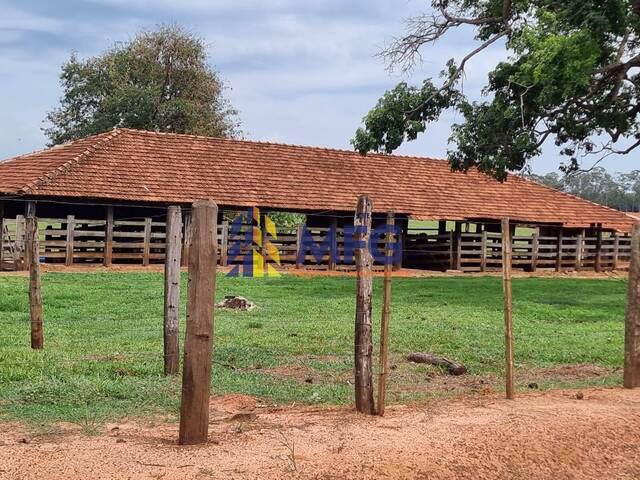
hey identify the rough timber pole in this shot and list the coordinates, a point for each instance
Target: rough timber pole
(198, 345)
(632, 319)
(508, 308)
(386, 314)
(35, 292)
(172, 291)
(364, 287)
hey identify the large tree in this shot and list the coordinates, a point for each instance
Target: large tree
(160, 80)
(571, 76)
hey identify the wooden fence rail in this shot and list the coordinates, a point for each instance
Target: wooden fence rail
(78, 241)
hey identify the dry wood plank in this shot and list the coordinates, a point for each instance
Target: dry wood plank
(631, 377)
(559, 250)
(19, 245)
(616, 250)
(172, 291)
(299, 257)
(483, 252)
(198, 346)
(334, 243)
(186, 242)
(579, 251)
(71, 225)
(108, 238)
(598, 260)
(508, 306)
(35, 286)
(224, 245)
(386, 315)
(363, 324)
(535, 248)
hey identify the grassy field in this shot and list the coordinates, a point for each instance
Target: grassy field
(103, 339)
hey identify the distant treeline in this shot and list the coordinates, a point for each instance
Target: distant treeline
(618, 190)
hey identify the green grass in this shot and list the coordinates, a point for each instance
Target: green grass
(103, 339)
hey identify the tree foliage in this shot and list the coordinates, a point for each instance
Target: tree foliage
(572, 75)
(619, 190)
(159, 81)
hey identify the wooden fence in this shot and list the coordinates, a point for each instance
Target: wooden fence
(78, 241)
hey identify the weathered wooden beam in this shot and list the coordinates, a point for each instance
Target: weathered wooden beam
(386, 315)
(363, 324)
(198, 345)
(333, 231)
(186, 242)
(631, 376)
(483, 253)
(616, 250)
(146, 249)
(71, 226)
(108, 238)
(172, 291)
(224, 244)
(19, 260)
(299, 247)
(457, 263)
(535, 248)
(507, 254)
(559, 250)
(1, 236)
(579, 250)
(35, 287)
(598, 260)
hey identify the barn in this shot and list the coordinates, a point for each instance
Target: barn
(103, 200)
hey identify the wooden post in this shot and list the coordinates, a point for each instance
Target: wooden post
(35, 292)
(559, 251)
(19, 261)
(631, 378)
(458, 244)
(386, 315)
(598, 261)
(616, 250)
(452, 251)
(108, 239)
(400, 240)
(508, 307)
(146, 249)
(333, 231)
(483, 253)
(71, 226)
(198, 345)
(186, 242)
(1, 236)
(579, 250)
(299, 261)
(535, 248)
(224, 244)
(364, 290)
(172, 291)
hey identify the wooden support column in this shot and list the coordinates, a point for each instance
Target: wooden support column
(108, 238)
(198, 345)
(19, 260)
(146, 249)
(333, 231)
(598, 260)
(442, 227)
(559, 250)
(483, 253)
(186, 241)
(508, 306)
(535, 248)
(35, 292)
(457, 262)
(224, 244)
(386, 315)
(299, 260)
(631, 377)
(364, 289)
(172, 291)
(1, 236)
(579, 250)
(616, 250)
(71, 227)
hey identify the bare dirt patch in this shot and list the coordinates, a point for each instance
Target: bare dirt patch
(537, 436)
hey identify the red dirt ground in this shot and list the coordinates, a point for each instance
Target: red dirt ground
(551, 435)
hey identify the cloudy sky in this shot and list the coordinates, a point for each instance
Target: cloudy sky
(301, 72)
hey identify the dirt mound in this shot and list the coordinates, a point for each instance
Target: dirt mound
(537, 436)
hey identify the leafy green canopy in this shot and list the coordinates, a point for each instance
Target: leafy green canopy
(571, 75)
(158, 81)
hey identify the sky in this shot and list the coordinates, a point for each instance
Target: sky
(299, 72)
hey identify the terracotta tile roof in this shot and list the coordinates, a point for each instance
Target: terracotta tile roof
(170, 168)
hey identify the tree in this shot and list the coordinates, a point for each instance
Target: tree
(160, 81)
(571, 75)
